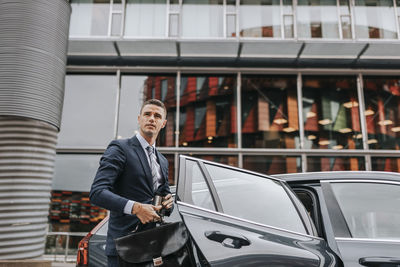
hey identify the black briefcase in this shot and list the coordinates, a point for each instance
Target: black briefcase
(166, 245)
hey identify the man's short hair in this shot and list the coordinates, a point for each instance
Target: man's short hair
(154, 102)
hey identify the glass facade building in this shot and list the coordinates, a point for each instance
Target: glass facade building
(274, 86)
(280, 19)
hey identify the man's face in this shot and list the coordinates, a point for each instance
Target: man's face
(151, 120)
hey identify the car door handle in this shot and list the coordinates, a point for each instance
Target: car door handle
(377, 261)
(228, 240)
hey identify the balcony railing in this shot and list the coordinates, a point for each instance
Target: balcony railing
(62, 246)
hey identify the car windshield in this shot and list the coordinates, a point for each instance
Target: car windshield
(371, 210)
(255, 198)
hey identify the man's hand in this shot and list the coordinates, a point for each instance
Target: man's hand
(146, 212)
(168, 201)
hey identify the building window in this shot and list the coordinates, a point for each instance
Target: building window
(171, 168)
(202, 18)
(259, 18)
(317, 19)
(135, 89)
(146, 18)
(74, 211)
(174, 15)
(272, 164)
(269, 112)
(89, 111)
(116, 18)
(331, 113)
(231, 18)
(89, 17)
(375, 19)
(398, 12)
(345, 19)
(382, 112)
(315, 164)
(386, 164)
(70, 204)
(208, 111)
(164, 89)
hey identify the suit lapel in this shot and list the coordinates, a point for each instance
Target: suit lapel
(143, 160)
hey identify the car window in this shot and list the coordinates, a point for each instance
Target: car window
(103, 229)
(201, 195)
(371, 210)
(255, 198)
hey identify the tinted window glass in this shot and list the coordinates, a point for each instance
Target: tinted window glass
(202, 18)
(371, 210)
(200, 194)
(145, 18)
(88, 119)
(208, 111)
(75, 172)
(255, 198)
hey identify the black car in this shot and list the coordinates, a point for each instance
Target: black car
(237, 217)
(358, 213)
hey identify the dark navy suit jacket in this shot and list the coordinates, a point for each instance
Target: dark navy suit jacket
(124, 174)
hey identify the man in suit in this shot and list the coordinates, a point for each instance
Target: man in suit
(130, 174)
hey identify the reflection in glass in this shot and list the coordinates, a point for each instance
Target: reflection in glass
(345, 19)
(135, 89)
(89, 17)
(116, 24)
(231, 18)
(398, 12)
(75, 172)
(386, 164)
(373, 213)
(145, 18)
(244, 195)
(173, 25)
(231, 25)
(71, 211)
(382, 104)
(117, 5)
(201, 195)
(269, 112)
(272, 164)
(208, 111)
(288, 24)
(315, 164)
(88, 121)
(346, 27)
(331, 113)
(171, 168)
(202, 18)
(375, 19)
(174, 6)
(317, 19)
(260, 18)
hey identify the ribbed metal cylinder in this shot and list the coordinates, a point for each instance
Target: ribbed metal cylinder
(33, 47)
(27, 154)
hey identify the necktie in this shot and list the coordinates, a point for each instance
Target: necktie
(154, 166)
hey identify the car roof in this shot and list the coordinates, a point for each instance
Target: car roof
(339, 175)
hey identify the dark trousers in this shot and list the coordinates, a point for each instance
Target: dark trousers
(112, 261)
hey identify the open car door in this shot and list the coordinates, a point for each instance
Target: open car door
(240, 218)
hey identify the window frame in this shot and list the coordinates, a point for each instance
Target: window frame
(184, 189)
